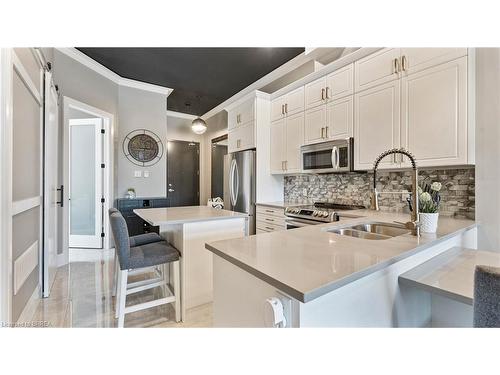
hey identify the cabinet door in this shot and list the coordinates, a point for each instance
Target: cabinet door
(278, 146)
(315, 124)
(294, 101)
(339, 117)
(278, 108)
(417, 59)
(247, 111)
(294, 139)
(241, 138)
(315, 93)
(340, 83)
(434, 114)
(376, 69)
(232, 119)
(376, 125)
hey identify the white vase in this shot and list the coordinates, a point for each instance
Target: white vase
(429, 222)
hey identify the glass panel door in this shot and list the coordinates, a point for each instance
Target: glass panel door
(85, 180)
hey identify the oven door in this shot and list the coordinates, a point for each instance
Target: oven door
(293, 223)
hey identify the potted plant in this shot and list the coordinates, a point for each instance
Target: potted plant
(130, 193)
(429, 200)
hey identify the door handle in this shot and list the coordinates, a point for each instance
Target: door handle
(335, 163)
(171, 190)
(61, 202)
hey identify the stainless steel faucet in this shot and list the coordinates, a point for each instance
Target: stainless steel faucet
(414, 223)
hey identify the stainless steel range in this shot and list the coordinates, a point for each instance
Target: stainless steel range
(319, 213)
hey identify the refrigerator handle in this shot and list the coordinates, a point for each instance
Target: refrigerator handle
(237, 183)
(231, 182)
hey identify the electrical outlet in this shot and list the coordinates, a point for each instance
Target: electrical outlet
(146, 174)
(137, 174)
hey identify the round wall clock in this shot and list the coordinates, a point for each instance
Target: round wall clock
(143, 147)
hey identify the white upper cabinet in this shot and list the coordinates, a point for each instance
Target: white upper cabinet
(340, 83)
(287, 135)
(288, 104)
(294, 101)
(242, 114)
(416, 59)
(315, 125)
(294, 139)
(376, 125)
(241, 138)
(339, 118)
(381, 67)
(278, 108)
(278, 146)
(315, 93)
(434, 114)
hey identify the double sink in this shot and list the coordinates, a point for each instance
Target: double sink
(372, 231)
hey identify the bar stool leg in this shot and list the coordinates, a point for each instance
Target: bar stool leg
(122, 297)
(115, 275)
(177, 290)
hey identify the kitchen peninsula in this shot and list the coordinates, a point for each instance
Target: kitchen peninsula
(188, 229)
(325, 279)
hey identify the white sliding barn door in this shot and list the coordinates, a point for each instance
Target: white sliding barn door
(85, 183)
(51, 194)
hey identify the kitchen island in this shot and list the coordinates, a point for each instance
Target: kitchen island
(188, 229)
(324, 279)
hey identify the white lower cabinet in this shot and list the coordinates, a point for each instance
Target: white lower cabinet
(287, 135)
(376, 125)
(269, 219)
(434, 114)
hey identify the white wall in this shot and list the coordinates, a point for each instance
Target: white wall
(488, 147)
(139, 109)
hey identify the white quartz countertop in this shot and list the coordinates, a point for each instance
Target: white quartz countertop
(188, 214)
(309, 262)
(450, 274)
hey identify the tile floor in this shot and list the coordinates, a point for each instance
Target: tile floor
(81, 297)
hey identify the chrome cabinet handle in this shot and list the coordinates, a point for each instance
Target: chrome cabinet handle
(326, 132)
(269, 219)
(395, 63)
(171, 190)
(322, 94)
(282, 109)
(322, 131)
(403, 63)
(286, 165)
(61, 202)
(286, 108)
(327, 92)
(269, 228)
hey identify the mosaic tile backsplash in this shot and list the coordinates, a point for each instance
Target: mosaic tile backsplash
(457, 192)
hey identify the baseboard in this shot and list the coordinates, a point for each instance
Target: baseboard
(30, 307)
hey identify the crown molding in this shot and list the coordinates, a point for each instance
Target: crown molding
(112, 76)
(186, 116)
(252, 94)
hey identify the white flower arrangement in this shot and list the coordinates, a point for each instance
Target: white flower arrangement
(429, 197)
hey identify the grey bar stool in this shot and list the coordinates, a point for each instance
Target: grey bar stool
(140, 239)
(140, 257)
(486, 297)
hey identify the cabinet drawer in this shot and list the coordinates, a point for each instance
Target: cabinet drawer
(268, 210)
(271, 220)
(269, 227)
(376, 69)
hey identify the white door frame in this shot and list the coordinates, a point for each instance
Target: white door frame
(87, 241)
(108, 126)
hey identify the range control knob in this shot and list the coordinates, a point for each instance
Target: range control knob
(325, 214)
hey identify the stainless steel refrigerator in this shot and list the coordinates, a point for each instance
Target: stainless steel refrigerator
(239, 184)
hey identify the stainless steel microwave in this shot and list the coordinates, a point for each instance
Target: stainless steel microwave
(328, 157)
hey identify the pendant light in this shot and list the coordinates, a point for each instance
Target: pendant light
(198, 126)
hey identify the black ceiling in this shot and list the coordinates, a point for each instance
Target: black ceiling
(202, 77)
